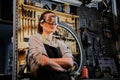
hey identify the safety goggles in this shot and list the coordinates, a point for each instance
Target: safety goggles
(52, 19)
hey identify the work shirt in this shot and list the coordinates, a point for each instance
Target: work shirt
(36, 49)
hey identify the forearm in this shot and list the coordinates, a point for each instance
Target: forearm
(48, 62)
(55, 66)
(65, 62)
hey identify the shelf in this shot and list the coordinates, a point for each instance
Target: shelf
(34, 8)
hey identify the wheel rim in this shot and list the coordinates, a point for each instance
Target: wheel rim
(78, 40)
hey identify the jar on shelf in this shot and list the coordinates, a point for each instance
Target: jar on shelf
(66, 8)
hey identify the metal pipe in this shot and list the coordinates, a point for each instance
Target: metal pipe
(114, 7)
(15, 22)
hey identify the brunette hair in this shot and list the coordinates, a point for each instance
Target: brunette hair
(41, 20)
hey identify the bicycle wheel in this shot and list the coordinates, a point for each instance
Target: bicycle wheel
(78, 57)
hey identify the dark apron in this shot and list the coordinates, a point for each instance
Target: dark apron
(44, 73)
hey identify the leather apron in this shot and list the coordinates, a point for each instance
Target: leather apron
(44, 73)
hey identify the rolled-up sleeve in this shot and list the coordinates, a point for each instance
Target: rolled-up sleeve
(66, 52)
(36, 49)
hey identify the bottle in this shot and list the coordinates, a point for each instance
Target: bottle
(66, 8)
(84, 72)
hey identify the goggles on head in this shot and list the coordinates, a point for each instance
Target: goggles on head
(52, 19)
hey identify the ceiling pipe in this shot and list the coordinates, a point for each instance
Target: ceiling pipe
(71, 2)
(114, 7)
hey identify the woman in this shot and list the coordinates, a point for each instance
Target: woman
(49, 58)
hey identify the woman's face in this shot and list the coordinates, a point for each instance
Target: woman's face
(49, 25)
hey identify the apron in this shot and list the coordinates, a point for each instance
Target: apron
(44, 73)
